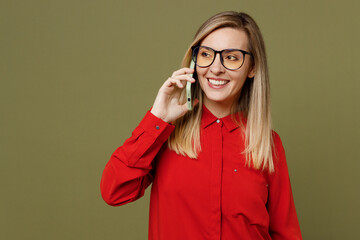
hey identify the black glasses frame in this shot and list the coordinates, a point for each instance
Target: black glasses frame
(196, 48)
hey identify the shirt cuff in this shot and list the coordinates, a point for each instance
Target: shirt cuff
(156, 126)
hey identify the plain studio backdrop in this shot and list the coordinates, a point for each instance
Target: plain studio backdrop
(76, 77)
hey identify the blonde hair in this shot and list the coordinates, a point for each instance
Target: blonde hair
(253, 103)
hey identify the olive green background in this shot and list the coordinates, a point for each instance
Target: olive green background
(76, 77)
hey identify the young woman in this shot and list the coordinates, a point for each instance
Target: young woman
(218, 171)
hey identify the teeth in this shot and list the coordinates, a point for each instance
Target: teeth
(216, 82)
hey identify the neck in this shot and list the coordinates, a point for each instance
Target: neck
(218, 109)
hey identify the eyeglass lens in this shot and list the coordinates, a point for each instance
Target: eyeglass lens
(231, 59)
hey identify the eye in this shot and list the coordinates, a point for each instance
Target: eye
(232, 55)
(232, 58)
(205, 54)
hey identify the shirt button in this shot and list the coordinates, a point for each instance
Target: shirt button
(235, 170)
(218, 121)
(157, 127)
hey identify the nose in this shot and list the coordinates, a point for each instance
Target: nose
(217, 67)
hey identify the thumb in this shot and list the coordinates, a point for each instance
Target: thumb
(185, 108)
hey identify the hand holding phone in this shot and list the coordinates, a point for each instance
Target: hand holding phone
(164, 107)
(188, 88)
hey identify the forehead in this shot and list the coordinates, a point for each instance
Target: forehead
(224, 38)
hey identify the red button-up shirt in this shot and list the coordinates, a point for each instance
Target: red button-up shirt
(212, 197)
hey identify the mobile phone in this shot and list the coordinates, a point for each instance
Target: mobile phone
(188, 88)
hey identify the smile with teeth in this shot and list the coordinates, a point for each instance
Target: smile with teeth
(218, 82)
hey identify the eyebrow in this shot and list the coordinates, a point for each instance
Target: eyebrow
(225, 49)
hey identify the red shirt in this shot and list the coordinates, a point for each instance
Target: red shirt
(212, 197)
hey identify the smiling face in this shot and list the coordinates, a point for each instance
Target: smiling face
(221, 86)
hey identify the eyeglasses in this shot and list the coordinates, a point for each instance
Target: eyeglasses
(231, 59)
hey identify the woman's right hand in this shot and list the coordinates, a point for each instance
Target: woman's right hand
(167, 105)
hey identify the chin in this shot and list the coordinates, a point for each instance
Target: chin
(217, 99)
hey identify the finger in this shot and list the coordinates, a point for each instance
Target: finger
(183, 71)
(176, 82)
(185, 78)
(184, 107)
(170, 82)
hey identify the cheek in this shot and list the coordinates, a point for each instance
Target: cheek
(201, 71)
(201, 75)
(240, 80)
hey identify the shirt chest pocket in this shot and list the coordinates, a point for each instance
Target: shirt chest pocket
(249, 194)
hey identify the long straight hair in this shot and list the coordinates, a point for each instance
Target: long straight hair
(253, 103)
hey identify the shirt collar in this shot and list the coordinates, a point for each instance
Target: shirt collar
(208, 118)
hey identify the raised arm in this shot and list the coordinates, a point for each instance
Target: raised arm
(130, 169)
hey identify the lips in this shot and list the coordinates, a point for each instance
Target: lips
(217, 82)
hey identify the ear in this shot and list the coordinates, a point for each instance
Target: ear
(251, 72)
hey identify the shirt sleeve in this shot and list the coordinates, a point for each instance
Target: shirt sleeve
(283, 218)
(129, 171)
